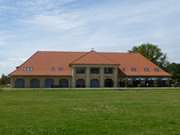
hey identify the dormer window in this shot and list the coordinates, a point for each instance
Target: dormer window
(133, 69)
(60, 69)
(28, 69)
(146, 69)
(53, 68)
(156, 69)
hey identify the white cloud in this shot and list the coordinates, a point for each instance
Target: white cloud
(106, 26)
(64, 21)
(16, 59)
(5, 37)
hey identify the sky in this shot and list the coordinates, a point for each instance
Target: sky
(27, 26)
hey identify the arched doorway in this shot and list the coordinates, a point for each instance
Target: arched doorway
(108, 83)
(35, 83)
(63, 83)
(19, 83)
(49, 83)
(94, 83)
(80, 83)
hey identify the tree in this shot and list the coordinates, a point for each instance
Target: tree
(153, 53)
(174, 69)
(4, 80)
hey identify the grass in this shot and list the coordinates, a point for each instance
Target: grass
(4, 86)
(90, 112)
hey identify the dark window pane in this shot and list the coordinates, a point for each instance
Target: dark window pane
(146, 69)
(94, 70)
(157, 69)
(133, 69)
(108, 70)
(80, 70)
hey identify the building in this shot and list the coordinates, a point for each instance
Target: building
(47, 69)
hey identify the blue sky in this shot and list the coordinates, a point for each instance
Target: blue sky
(79, 25)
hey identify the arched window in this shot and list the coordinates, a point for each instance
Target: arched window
(19, 83)
(35, 83)
(63, 83)
(94, 83)
(80, 83)
(49, 83)
(108, 83)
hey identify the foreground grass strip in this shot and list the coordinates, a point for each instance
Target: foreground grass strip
(90, 112)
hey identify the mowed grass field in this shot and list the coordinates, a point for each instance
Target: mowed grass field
(90, 112)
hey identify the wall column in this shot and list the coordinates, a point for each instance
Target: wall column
(87, 77)
(101, 77)
(42, 82)
(13, 82)
(27, 82)
(115, 77)
(73, 83)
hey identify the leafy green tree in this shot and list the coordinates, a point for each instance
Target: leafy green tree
(4, 80)
(153, 53)
(174, 69)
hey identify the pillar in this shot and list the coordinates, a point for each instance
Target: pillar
(87, 77)
(115, 77)
(101, 77)
(73, 83)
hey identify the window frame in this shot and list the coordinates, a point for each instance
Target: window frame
(133, 69)
(95, 68)
(106, 70)
(146, 69)
(77, 69)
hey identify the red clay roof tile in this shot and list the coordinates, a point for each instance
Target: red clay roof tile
(44, 63)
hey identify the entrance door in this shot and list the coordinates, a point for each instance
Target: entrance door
(94, 83)
(80, 83)
(63, 83)
(35, 83)
(108, 83)
(49, 83)
(19, 83)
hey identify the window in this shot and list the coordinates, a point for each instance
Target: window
(146, 69)
(19, 83)
(80, 83)
(35, 83)
(133, 69)
(157, 69)
(60, 68)
(80, 70)
(64, 83)
(49, 83)
(27, 69)
(94, 83)
(108, 70)
(95, 70)
(53, 69)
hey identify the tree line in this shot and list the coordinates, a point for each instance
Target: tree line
(148, 50)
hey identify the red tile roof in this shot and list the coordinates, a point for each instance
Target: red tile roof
(93, 58)
(44, 63)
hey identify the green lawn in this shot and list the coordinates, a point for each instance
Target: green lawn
(90, 112)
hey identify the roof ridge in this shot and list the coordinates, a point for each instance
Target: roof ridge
(83, 55)
(63, 51)
(97, 53)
